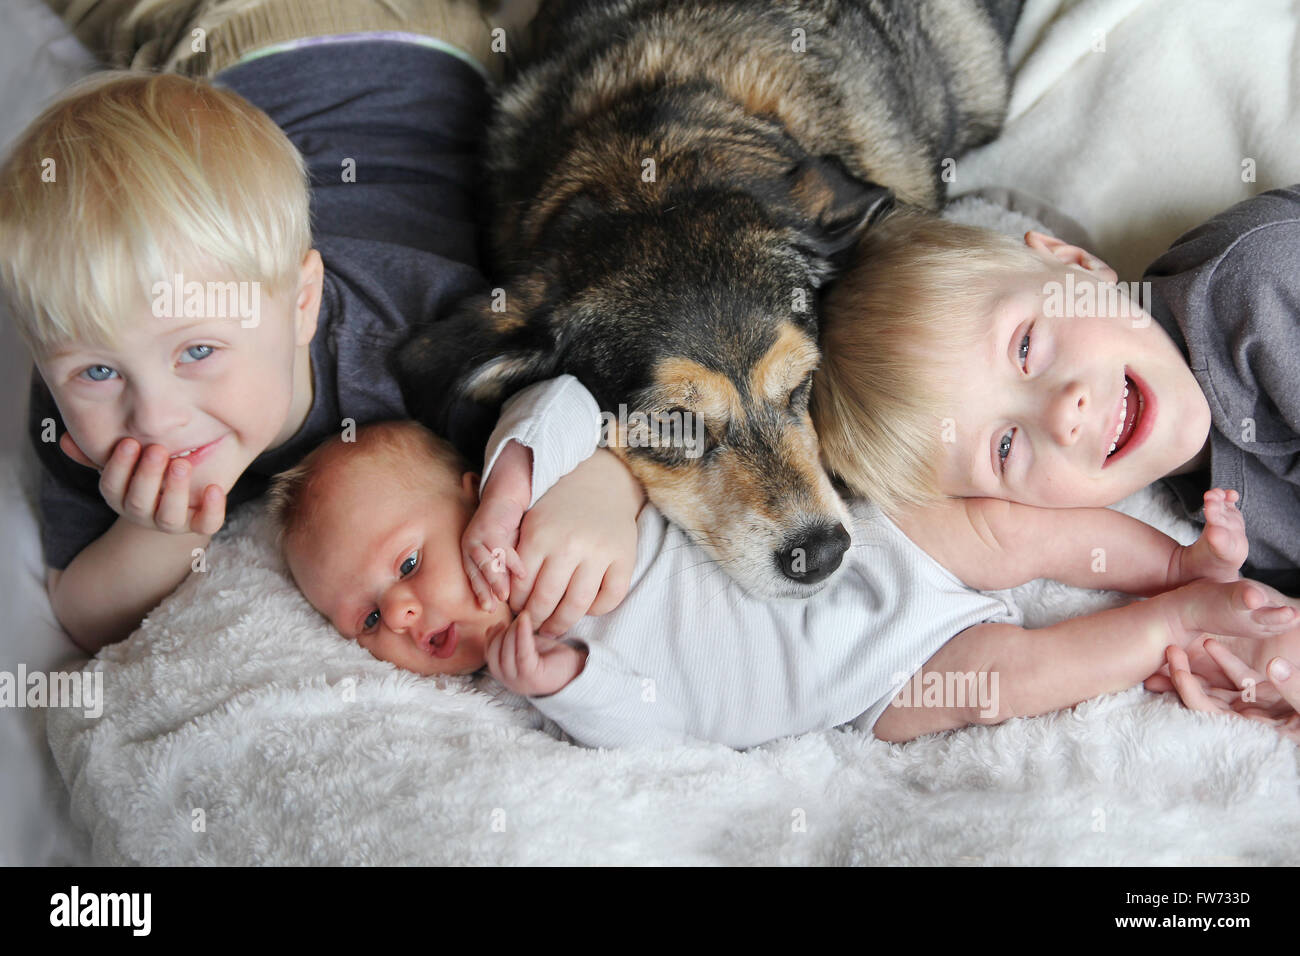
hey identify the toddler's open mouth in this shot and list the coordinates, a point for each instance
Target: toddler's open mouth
(199, 452)
(1135, 413)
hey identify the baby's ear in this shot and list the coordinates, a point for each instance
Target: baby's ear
(1069, 255)
(469, 484)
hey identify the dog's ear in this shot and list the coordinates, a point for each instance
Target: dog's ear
(575, 215)
(835, 206)
(455, 372)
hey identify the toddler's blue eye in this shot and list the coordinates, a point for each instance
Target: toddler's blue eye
(1004, 448)
(409, 564)
(198, 352)
(371, 619)
(99, 373)
(1023, 351)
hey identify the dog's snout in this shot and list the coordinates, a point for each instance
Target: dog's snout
(813, 554)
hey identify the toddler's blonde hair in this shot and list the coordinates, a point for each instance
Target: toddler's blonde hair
(130, 178)
(897, 330)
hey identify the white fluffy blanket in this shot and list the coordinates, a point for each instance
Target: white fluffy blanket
(238, 729)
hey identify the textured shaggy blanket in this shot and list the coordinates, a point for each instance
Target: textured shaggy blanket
(238, 728)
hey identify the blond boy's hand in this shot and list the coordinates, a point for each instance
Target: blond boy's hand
(1222, 548)
(1275, 702)
(1241, 609)
(488, 545)
(149, 490)
(532, 665)
(1252, 618)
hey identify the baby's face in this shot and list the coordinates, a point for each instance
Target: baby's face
(1037, 414)
(381, 560)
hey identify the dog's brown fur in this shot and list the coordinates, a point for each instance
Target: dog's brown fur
(673, 183)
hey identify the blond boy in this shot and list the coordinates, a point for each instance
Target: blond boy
(210, 276)
(968, 374)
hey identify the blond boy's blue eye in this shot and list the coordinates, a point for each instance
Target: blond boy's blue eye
(99, 373)
(197, 353)
(371, 619)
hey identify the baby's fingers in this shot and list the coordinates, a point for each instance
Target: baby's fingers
(525, 647)
(506, 656)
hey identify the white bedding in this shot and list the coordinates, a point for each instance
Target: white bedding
(234, 699)
(37, 58)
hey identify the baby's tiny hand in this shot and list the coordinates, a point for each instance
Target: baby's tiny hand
(1222, 548)
(530, 664)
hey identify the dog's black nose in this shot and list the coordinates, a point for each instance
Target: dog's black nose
(814, 554)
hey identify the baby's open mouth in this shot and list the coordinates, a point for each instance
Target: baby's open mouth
(442, 643)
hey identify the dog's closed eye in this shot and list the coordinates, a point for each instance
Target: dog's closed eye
(799, 395)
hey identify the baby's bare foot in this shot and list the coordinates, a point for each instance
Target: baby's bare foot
(1221, 550)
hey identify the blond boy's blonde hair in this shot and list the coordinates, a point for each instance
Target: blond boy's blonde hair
(418, 459)
(896, 328)
(130, 178)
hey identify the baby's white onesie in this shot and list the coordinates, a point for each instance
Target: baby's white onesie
(689, 654)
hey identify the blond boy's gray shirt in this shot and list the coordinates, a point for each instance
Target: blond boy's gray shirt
(689, 656)
(1228, 293)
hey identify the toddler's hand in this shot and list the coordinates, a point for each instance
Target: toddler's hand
(578, 545)
(1244, 609)
(1222, 548)
(487, 546)
(147, 489)
(530, 664)
(489, 556)
(1253, 696)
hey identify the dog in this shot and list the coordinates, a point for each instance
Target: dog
(672, 183)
